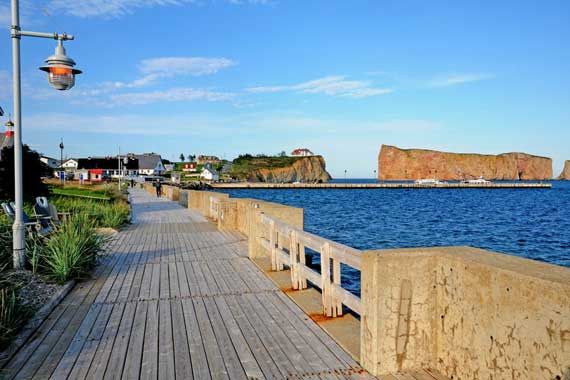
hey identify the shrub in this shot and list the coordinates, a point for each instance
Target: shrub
(11, 316)
(72, 250)
(34, 168)
(103, 213)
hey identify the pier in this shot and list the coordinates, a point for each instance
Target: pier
(384, 185)
(204, 286)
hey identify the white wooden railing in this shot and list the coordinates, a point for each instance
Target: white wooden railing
(214, 207)
(286, 245)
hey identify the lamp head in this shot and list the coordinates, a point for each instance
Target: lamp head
(61, 74)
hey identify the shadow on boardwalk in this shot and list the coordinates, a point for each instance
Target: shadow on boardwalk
(174, 298)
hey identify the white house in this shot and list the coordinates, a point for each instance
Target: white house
(70, 164)
(150, 164)
(209, 174)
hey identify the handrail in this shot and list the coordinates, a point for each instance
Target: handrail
(214, 207)
(293, 255)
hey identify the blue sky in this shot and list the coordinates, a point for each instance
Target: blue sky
(226, 77)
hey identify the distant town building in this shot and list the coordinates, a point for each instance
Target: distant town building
(169, 167)
(209, 174)
(70, 164)
(201, 160)
(302, 152)
(189, 167)
(149, 164)
(97, 169)
(51, 162)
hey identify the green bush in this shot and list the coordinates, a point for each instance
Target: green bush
(71, 251)
(12, 316)
(103, 213)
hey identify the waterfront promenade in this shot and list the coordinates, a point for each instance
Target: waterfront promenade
(175, 298)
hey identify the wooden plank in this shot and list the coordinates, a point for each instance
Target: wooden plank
(119, 351)
(101, 358)
(165, 340)
(89, 349)
(133, 360)
(198, 358)
(215, 361)
(65, 365)
(182, 361)
(231, 360)
(149, 365)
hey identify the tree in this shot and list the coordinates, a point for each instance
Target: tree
(181, 157)
(33, 170)
(283, 154)
(191, 157)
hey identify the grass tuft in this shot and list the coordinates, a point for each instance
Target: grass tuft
(72, 251)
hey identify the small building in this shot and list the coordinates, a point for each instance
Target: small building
(51, 162)
(101, 168)
(149, 164)
(302, 152)
(169, 167)
(210, 174)
(201, 160)
(189, 167)
(70, 164)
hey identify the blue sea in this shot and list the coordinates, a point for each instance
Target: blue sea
(531, 223)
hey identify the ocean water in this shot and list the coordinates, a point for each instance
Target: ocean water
(531, 223)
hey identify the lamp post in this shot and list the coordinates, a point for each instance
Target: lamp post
(61, 75)
(375, 178)
(345, 175)
(61, 172)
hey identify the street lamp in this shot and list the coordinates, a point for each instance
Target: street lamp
(61, 75)
(61, 146)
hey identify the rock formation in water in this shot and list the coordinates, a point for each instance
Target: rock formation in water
(412, 164)
(281, 169)
(565, 175)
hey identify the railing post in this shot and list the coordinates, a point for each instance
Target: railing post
(337, 303)
(273, 253)
(326, 280)
(279, 244)
(302, 278)
(294, 260)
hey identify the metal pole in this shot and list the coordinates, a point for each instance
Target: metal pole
(19, 230)
(119, 158)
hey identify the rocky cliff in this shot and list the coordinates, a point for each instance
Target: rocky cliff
(280, 169)
(411, 164)
(306, 169)
(566, 171)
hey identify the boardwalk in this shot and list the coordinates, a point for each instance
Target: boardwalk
(174, 298)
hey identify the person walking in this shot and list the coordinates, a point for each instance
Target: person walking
(158, 187)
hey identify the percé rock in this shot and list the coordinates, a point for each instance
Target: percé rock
(412, 164)
(565, 175)
(306, 169)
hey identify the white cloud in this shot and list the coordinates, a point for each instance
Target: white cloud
(154, 69)
(331, 85)
(170, 95)
(456, 79)
(119, 8)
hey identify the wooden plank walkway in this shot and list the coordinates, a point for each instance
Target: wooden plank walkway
(174, 298)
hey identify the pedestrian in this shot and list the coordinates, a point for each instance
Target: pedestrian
(158, 186)
(132, 183)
